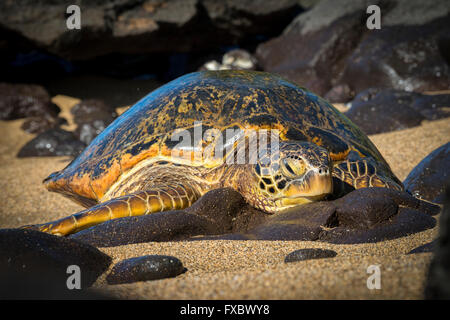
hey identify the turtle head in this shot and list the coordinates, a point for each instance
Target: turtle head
(298, 173)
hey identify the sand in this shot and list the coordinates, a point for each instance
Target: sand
(238, 269)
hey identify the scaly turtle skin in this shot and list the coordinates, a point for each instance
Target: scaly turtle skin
(131, 168)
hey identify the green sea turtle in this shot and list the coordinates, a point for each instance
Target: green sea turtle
(130, 168)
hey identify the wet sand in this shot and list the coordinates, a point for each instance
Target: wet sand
(238, 269)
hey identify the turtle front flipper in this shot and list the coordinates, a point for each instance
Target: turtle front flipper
(141, 203)
(359, 173)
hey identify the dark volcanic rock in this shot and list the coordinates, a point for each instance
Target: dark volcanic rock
(438, 278)
(409, 52)
(303, 223)
(228, 210)
(404, 223)
(432, 107)
(129, 26)
(38, 262)
(38, 125)
(92, 117)
(378, 214)
(377, 110)
(383, 110)
(312, 48)
(428, 247)
(430, 177)
(364, 215)
(152, 267)
(307, 254)
(25, 100)
(218, 211)
(339, 93)
(330, 45)
(161, 226)
(53, 142)
(86, 109)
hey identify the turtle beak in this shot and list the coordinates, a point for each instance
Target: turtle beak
(313, 186)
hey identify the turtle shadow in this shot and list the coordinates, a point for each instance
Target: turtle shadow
(362, 216)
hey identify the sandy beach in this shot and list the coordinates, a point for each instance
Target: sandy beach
(238, 269)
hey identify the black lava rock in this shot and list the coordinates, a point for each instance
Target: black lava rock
(124, 26)
(340, 93)
(408, 53)
(160, 226)
(34, 264)
(302, 223)
(228, 211)
(307, 254)
(321, 39)
(364, 215)
(432, 106)
(382, 110)
(438, 278)
(378, 214)
(151, 267)
(331, 45)
(405, 222)
(53, 142)
(217, 212)
(92, 117)
(429, 178)
(377, 110)
(23, 101)
(37, 125)
(428, 247)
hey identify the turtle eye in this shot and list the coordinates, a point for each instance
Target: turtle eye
(293, 168)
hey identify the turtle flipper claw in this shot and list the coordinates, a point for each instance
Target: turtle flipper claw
(46, 227)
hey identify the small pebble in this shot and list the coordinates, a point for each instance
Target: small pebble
(307, 254)
(150, 267)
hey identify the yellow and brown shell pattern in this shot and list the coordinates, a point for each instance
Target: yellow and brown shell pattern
(219, 100)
